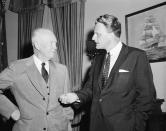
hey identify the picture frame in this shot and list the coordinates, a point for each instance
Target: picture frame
(146, 30)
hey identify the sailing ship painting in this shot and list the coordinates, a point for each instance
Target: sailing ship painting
(152, 39)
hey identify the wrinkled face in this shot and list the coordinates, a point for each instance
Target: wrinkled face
(101, 36)
(47, 46)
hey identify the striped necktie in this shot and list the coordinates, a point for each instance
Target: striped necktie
(106, 70)
(44, 72)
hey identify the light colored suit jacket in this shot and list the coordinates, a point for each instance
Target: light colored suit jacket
(40, 109)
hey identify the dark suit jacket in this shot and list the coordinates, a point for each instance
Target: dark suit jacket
(125, 102)
(39, 110)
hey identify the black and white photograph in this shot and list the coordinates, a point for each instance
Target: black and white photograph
(82, 65)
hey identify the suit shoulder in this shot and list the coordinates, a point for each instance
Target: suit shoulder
(137, 54)
(136, 51)
(19, 64)
(59, 65)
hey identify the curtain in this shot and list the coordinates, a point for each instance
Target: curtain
(24, 5)
(68, 26)
(30, 16)
(3, 42)
(27, 22)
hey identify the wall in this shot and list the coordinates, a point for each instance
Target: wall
(120, 8)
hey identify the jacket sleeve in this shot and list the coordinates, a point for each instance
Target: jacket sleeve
(6, 81)
(85, 94)
(145, 90)
(68, 111)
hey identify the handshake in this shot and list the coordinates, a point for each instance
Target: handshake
(69, 98)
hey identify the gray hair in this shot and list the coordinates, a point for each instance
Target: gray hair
(39, 32)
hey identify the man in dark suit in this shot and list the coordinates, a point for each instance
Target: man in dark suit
(120, 82)
(36, 83)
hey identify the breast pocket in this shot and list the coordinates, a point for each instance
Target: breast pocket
(121, 81)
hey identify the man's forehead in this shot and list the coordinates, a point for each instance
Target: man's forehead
(99, 27)
(47, 35)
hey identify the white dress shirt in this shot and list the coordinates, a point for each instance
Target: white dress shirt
(38, 64)
(114, 53)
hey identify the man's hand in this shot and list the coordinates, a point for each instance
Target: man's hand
(15, 115)
(68, 98)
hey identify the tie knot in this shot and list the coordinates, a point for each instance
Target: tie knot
(43, 64)
(108, 54)
(107, 58)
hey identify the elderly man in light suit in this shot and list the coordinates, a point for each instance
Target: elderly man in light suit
(37, 99)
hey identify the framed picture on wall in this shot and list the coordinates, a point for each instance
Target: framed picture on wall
(146, 29)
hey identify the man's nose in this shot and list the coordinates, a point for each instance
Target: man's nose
(54, 46)
(93, 37)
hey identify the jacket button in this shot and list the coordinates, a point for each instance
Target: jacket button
(48, 93)
(100, 100)
(47, 113)
(44, 99)
(44, 129)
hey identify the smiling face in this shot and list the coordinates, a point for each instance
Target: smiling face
(101, 36)
(45, 44)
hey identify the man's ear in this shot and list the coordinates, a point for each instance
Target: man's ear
(36, 45)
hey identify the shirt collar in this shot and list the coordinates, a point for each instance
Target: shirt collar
(38, 63)
(116, 49)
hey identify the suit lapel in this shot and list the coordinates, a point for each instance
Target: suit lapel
(36, 78)
(121, 58)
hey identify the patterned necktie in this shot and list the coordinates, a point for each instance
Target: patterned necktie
(44, 72)
(106, 70)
